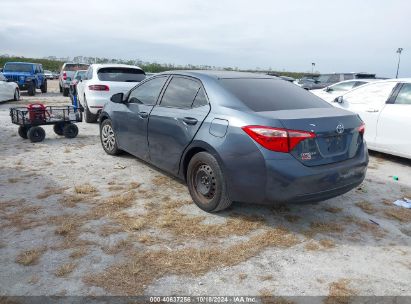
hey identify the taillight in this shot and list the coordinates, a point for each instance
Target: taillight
(64, 76)
(277, 139)
(361, 129)
(98, 87)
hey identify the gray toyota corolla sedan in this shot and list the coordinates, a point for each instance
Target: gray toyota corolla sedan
(238, 137)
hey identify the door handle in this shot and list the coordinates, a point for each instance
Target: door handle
(371, 110)
(190, 120)
(143, 114)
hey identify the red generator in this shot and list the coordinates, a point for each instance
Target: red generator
(37, 113)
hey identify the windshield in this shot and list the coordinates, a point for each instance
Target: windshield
(18, 67)
(324, 78)
(121, 74)
(271, 95)
(47, 72)
(80, 74)
(75, 67)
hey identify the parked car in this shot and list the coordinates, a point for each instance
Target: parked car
(238, 137)
(326, 80)
(48, 74)
(101, 82)
(78, 76)
(66, 75)
(385, 107)
(28, 76)
(8, 90)
(329, 93)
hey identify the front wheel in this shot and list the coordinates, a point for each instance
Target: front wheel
(108, 138)
(36, 134)
(206, 183)
(31, 90)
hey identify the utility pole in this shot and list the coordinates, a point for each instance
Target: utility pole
(399, 51)
(312, 67)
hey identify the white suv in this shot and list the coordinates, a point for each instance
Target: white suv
(103, 81)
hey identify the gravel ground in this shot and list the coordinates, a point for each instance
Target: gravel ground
(76, 221)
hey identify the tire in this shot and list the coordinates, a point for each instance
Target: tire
(70, 130)
(31, 90)
(23, 132)
(44, 87)
(108, 138)
(58, 129)
(88, 116)
(16, 95)
(206, 183)
(36, 134)
(61, 89)
(65, 92)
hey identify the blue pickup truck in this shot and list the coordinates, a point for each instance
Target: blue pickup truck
(28, 76)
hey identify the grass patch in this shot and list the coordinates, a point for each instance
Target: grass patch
(24, 218)
(65, 270)
(13, 180)
(340, 292)
(144, 267)
(78, 253)
(67, 227)
(398, 213)
(366, 206)
(118, 247)
(49, 191)
(267, 277)
(85, 189)
(292, 218)
(30, 257)
(333, 209)
(327, 243)
(323, 228)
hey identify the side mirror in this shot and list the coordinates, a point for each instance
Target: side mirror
(328, 89)
(339, 99)
(117, 98)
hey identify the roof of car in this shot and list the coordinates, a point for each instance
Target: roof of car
(114, 65)
(218, 74)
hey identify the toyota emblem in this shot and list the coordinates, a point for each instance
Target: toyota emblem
(340, 129)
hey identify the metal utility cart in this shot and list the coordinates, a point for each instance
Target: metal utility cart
(33, 116)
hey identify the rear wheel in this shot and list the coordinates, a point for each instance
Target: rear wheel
(70, 130)
(58, 129)
(108, 138)
(23, 132)
(88, 116)
(36, 134)
(31, 90)
(206, 183)
(16, 95)
(44, 87)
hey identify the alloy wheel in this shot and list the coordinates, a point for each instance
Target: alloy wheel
(108, 138)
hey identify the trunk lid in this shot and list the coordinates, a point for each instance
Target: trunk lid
(337, 136)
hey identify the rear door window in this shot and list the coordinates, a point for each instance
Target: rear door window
(147, 93)
(271, 94)
(181, 93)
(404, 95)
(119, 74)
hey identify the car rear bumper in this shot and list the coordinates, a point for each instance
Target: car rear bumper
(285, 179)
(96, 103)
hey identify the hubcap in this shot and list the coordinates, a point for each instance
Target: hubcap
(204, 181)
(107, 137)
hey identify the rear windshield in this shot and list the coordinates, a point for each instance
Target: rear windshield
(272, 94)
(121, 74)
(18, 67)
(75, 67)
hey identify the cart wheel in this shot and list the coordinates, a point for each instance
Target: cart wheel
(58, 129)
(23, 132)
(36, 134)
(70, 130)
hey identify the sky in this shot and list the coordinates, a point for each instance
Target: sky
(338, 36)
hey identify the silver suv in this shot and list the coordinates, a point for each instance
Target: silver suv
(66, 75)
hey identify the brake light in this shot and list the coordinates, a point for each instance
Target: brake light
(361, 129)
(98, 87)
(277, 139)
(64, 76)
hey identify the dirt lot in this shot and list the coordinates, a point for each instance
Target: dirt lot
(76, 221)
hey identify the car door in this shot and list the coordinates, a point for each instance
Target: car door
(368, 101)
(130, 119)
(395, 121)
(175, 121)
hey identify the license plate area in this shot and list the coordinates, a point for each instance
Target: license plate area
(334, 144)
